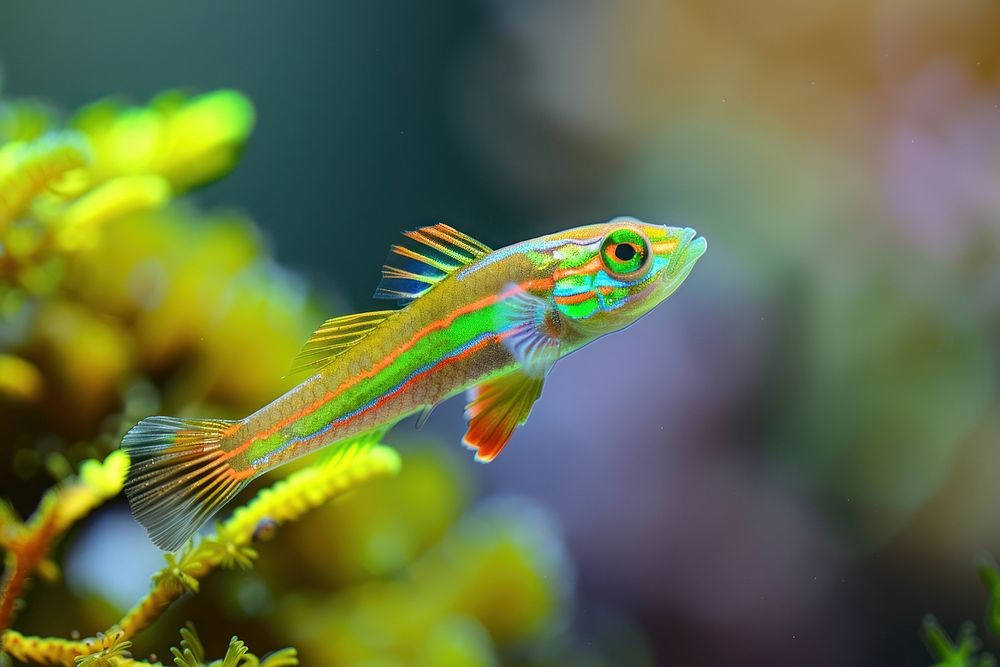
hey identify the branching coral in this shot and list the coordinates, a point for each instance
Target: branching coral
(28, 543)
(228, 546)
(108, 279)
(28, 169)
(191, 653)
(964, 651)
(118, 301)
(60, 187)
(74, 334)
(499, 580)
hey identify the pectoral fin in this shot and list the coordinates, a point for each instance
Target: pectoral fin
(496, 408)
(535, 326)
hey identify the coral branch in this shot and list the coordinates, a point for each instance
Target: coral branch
(192, 653)
(228, 546)
(27, 552)
(27, 169)
(28, 544)
(112, 650)
(966, 649)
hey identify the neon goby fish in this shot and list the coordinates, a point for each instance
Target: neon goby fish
(491, 323)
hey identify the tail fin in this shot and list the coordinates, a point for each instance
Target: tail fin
(179, 476)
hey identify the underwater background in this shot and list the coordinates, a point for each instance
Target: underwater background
(802, 466)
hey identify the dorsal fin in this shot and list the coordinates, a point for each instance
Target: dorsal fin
(335, 337)
(429, 254)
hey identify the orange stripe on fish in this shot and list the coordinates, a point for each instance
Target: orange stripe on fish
(350, 382)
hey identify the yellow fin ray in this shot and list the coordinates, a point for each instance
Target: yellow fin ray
(431, 254)
(334, 337)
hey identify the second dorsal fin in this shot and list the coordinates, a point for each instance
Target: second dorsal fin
(334, 337)
(429, 255)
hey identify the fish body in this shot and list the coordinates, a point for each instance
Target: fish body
(492, 323)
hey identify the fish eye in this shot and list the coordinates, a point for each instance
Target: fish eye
(625, 253)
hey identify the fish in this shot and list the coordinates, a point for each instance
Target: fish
(491, 323)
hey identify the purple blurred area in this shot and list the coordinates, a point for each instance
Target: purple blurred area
(792, 460)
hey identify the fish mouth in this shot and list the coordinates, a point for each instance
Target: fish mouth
(690, 248)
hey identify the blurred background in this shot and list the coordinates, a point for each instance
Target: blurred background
(810, 460)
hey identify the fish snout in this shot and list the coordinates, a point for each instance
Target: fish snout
(690, 248)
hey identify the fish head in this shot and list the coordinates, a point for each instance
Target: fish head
(606, 276)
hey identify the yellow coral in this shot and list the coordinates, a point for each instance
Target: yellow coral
(113, 648)
(115, 199)
(29, 543)
(19, 379)
(286, 501)
(122, 299)
(105, 479)
(118, 161)
(501, 579)
(75, 498)
(186, 140)
(28, 168)
(109, 278)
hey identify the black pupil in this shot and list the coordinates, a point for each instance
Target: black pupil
(624, 252)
